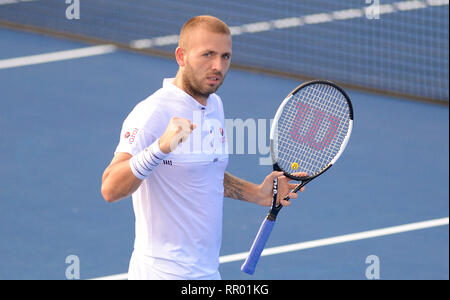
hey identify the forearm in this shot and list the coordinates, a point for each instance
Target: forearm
(237, 188)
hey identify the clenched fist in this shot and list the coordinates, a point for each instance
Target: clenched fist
(177, 131)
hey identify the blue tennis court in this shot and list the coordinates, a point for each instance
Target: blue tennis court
(60, 123)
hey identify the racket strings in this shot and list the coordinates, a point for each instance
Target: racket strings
(311, 129)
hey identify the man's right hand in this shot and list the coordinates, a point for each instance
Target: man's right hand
(177, 131)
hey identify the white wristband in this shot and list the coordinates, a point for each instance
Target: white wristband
(142, 164)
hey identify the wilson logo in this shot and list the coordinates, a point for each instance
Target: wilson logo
(319, 119)
(167, 162)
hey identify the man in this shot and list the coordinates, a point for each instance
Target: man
(172, 157)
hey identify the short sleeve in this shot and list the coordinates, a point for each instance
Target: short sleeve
(140, 129)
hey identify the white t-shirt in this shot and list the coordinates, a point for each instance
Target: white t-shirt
(178, 208)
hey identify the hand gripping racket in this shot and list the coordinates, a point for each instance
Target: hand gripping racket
(309, 133)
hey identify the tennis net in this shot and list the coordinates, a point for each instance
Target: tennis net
(397, 47)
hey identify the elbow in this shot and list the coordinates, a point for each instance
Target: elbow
(112, 194)
(108, 194)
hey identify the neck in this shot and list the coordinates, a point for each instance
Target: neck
(179, 82)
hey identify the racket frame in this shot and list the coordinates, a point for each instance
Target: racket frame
(304, 179)
(266, 227)
(273, 129)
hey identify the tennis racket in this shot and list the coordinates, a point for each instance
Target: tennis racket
(309, 133)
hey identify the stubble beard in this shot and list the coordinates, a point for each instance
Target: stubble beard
(193, 85)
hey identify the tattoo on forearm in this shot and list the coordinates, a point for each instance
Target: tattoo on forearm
(233, 187)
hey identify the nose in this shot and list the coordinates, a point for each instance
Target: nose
(219, 64)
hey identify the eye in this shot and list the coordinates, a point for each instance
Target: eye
(208, 54)
(226, 56)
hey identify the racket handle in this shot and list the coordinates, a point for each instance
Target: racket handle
(258, 245)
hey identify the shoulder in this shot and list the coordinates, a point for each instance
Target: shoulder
(217, 102)
(217, 99)
(153, 107)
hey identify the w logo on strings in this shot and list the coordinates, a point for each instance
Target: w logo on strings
(316, 119)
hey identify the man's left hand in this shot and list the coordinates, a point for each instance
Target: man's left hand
(284, 189)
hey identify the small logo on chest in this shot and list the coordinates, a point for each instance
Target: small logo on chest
(167, 162)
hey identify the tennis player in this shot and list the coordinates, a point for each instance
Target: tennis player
(172, 157)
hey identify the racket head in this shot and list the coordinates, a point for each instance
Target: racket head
(311, 129)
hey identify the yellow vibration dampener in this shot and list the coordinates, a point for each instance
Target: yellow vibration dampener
(294, 166)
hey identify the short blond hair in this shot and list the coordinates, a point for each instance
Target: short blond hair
(209, 23)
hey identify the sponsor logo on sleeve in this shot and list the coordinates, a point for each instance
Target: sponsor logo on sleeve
(131, 136)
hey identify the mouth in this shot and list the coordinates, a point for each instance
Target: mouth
(213, 79)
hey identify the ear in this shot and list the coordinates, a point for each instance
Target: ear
(180, 55)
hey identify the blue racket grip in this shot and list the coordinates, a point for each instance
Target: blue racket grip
(258, 246)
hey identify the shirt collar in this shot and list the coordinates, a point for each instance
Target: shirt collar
(168, 84)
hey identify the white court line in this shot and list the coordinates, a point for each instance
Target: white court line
(321, 242)
(6, 2)
(56, 56)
